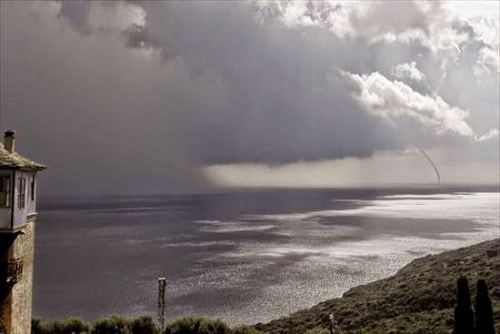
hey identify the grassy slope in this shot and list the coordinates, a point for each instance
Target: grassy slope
(419, 298)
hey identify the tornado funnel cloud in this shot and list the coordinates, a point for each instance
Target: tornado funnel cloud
(432, 164)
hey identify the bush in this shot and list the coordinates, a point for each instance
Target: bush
(112, 325)
(70, 326)
(144, 325)
(36, 326)
(317, 330)
(41, 327)
(141, 325)
(197, 325)
(245, 330)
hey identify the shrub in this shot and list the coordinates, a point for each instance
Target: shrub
(70, 326)
(112, 325)
(484, 311)
(197, 325)
(41, 327)
(144, 325)
(317, 330)
(245, 330)
(464, 318)
(36, 326)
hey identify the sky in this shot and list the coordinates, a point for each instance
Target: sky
(130, 97)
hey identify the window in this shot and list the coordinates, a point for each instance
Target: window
(32, 188)
(21, 194)
(4, 191)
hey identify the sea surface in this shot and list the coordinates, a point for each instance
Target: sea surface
(242, 256)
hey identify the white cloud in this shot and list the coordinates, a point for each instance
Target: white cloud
(487, 32)
(488, 61)
(334, 15)
(383, 167)
(407, 71)
(483, 17)
(393, 100)
(471, 9)
(493, 133)
(442, 27)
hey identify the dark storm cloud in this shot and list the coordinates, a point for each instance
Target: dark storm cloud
(138, 104)
(138, 36)
(77, 13)
(280, 97)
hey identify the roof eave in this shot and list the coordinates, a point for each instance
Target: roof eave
(33, 169)
(37, 168)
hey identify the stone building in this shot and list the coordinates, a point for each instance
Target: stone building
(18, 185)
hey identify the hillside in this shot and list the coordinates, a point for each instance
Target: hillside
(419, 298)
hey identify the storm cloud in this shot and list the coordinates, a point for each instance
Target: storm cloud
(134, 97)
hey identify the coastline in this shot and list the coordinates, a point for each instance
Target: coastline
(419, 298)
(271, 255)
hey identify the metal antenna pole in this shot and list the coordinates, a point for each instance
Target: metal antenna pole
(162, 283)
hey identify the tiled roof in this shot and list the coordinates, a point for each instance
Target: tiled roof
(16, 161)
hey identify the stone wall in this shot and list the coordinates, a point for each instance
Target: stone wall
(16, 306)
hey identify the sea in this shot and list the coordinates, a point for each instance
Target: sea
(244, 256)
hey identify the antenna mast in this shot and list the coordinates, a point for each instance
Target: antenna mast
(162, 283)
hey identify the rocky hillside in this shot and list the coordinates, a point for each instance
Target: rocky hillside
(419, 298)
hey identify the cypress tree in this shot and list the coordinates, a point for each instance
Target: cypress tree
(483, 310)
(464, 317)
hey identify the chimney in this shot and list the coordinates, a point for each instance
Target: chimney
(10, 141)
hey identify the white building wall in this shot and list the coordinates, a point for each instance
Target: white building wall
(20, 214)
(5, 213)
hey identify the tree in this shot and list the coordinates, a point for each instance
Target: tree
(483, 309)
(464, 317)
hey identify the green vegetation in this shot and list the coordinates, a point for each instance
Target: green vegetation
(420, 298)
(197, 325)
(142, 325)
(66, 326)
(113, 325)
(245, 330)
(484, 311)
(464, 316)
(317, 330)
